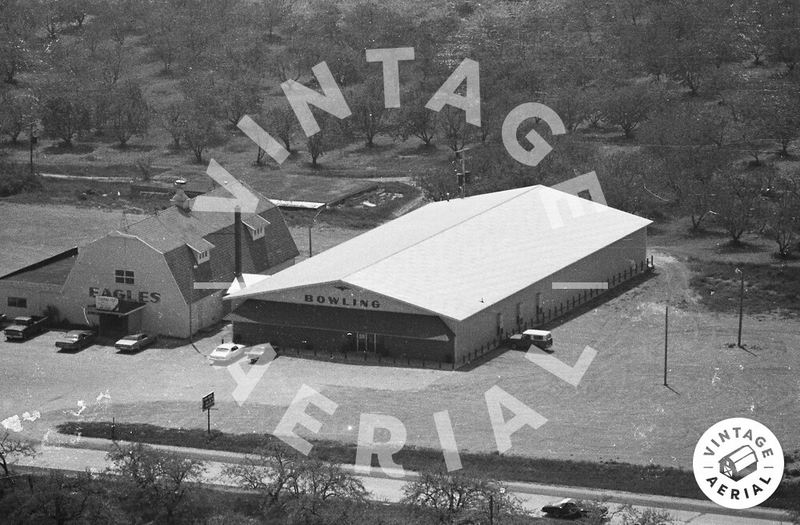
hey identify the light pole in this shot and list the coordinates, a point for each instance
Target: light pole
(313, 221)
(33, 139)
(666, 333)
(741, 305)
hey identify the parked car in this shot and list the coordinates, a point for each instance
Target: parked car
(134, 342)
(76, 340)
(226, 352)
(25, 327)
(540, 338)
(265, 352)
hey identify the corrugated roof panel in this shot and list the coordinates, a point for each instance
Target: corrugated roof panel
(447, 256)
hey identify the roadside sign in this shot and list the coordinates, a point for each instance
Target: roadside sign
(208, 401)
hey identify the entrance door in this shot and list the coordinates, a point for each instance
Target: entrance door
(366, 342)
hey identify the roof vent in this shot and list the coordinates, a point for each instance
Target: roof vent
(181, 201)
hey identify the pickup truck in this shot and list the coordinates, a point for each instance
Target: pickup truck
(24, 327)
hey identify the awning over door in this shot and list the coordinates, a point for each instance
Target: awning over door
(123, 309)
(411, 326)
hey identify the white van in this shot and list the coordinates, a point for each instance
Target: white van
(540, 338)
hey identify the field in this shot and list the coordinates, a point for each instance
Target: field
(35, 231)
(620, 411)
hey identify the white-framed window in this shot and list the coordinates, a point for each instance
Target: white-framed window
(17, 302)
(124, 276)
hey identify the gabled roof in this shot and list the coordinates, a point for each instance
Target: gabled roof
(457, 257)
(173, 228)
(179, 234)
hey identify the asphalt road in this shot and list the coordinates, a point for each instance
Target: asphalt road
(62, 455)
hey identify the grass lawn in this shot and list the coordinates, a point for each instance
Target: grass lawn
(36, 230)
(768, 288)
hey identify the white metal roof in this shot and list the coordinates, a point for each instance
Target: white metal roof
(457, 257)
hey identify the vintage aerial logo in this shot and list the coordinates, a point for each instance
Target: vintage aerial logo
(738, 463)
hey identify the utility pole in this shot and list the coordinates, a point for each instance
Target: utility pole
(32, 139)
(666, 334)
(462, 177)
(313, 222)
(191, 300)
(741, 305)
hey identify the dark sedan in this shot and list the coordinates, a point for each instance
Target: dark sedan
(77, 340)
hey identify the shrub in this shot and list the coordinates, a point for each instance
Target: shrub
(16, 179)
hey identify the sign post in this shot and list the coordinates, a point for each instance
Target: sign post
(208, 402)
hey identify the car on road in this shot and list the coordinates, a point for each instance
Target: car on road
(226, 352)
(134, 342)
(566, 509)
(539, 338)
(571, 509)
(76, 340)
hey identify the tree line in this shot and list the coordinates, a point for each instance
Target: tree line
(274, 485)
(699, 98)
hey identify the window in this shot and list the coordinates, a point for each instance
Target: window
(17, 302)
(123, 276)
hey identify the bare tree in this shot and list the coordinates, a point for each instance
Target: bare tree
(451, 497)
(174, 119)
(156, 484)
(369, 112)
(628, 107)
(129, 113)
(413, 119)
(18, 21)
(738, 203)
(454, 129)
(13, 447)
(202, 132)
(271, 471)
(783, 216)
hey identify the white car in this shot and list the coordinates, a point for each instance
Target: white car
(226, 352)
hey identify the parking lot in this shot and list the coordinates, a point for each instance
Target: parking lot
(620, 410)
